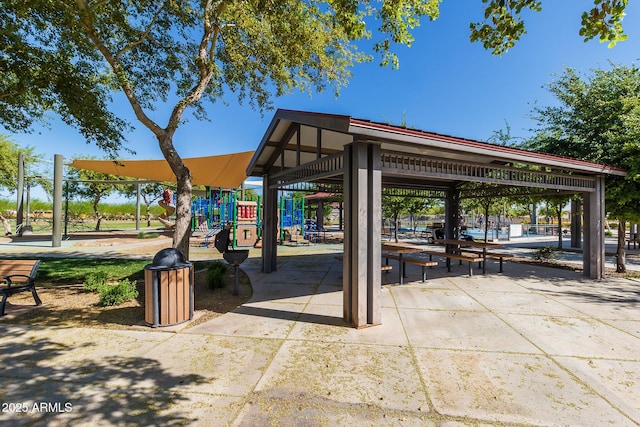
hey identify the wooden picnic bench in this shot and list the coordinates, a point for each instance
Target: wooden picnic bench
(493, 255)
(460, 257)
(411, 260)
(630, 241)
(17, 276)
(383, 267)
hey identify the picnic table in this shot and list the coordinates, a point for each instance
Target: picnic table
(400, 249)
(455, 245)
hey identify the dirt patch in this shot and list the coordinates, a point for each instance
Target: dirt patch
(145, 244)
(73, 307)
(609, 272)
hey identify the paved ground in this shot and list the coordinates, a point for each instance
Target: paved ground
(533, 346)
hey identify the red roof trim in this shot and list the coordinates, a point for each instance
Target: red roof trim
(474, 143)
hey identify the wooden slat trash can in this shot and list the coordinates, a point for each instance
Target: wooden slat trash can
(168, 289)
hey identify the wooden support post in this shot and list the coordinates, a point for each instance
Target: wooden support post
(576, 223)
(269, 227)
(593, 249)
(362, 241)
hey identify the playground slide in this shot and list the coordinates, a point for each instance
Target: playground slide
(168, 211)
(215, 230)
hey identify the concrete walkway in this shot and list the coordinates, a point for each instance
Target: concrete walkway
(533, 347)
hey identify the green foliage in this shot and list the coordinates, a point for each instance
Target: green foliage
(503, 24)
(51, 67)
(123, 291)
(597, 119)
(216, 275)
(92, 185)
(545, 253)
(504, 137)
(9, 152)
(110, 294)
(65, 271)
(393, 206)
(142, 235)
(150, 193)
(95, 280)
(604, 21)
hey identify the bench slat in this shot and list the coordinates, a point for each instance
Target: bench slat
(411, 260)
(17, 266)
(455, 256)
(494, 255)
(449, 255)
(382, 267)
(21, 275)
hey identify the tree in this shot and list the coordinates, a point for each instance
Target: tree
(150, 193)
(392, 208)
(9, 152)
(92, 185)
(503, 25)
(415, 207)
(598, 119)
(70, 57)
(555, 205)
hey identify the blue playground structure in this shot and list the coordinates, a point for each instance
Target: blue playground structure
(219, 207)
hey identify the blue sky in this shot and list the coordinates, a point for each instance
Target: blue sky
(445, 84)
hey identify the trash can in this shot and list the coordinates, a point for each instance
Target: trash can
(168, 285)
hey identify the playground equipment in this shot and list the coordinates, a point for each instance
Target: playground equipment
(165, 203)
(246, 223)
(291, 220)
(222, 208)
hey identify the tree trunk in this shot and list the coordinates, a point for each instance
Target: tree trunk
(621, 252)
(486, 222)
(395, 227)
(182, 232)
(148, 214)
(560, 229)
(96, 202)
(182, 229)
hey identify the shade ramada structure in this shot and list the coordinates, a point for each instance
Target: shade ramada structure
(364, 160)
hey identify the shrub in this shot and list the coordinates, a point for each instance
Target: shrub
(143, 235)
(545, 253)
(216, 275)
(124, 290)
(95, 280)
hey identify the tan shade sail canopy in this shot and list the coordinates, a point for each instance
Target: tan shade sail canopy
(227, 170)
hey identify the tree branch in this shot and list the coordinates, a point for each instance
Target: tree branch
(116, 66)
(144, 36)
(206, 53)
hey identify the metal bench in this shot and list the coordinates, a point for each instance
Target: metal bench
(18, 276)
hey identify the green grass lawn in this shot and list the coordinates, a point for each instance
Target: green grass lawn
(73, 271)
(44, 226)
